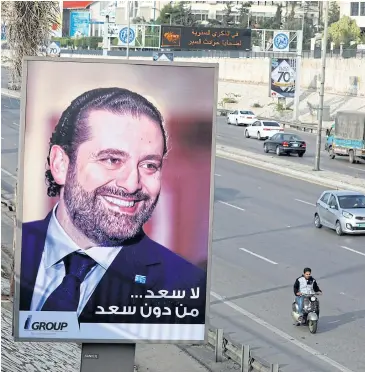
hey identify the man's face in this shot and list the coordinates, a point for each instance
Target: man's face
(307, 274)
(114, 185)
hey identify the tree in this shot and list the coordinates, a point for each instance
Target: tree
(291, 22)
(179, 14)
(273, 23)
(28, 31)
(308, 32)
(333, 13)
(139, 20)
(184, 15)
(344, 32)
(228, 18)
(214, 22)
(166, 12)
(244, 14)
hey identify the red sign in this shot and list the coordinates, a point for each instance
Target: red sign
(76, 4)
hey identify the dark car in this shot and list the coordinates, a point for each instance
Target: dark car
(285, 143)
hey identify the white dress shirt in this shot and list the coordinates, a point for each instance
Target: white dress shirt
(52, 269)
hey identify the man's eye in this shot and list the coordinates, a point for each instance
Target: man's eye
(110, 161)
(150, 166)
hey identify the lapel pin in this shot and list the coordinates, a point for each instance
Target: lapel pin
(141, 279)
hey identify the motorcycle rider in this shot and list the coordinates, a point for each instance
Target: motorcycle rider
(305, 284)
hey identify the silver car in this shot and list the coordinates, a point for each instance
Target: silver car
(342, 211)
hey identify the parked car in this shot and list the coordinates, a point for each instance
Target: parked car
(241, 117)
(342, 211)
(285, 143)
(263, 129)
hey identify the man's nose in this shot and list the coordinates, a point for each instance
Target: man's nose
(128, 178)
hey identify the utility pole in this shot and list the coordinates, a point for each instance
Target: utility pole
(298, 66)
(105, 36)
(321, 93)
(297, 75)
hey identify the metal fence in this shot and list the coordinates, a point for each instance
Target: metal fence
(241, 354)
(147, 52)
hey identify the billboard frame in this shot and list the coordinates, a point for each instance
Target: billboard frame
(20, 192)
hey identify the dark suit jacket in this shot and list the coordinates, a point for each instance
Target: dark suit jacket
(163, 269)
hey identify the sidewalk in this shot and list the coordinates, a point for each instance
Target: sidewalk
(165, 358)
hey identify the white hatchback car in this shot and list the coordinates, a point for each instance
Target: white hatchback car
(263, 129)
(241, 117)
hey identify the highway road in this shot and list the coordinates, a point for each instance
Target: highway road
(263, 238)
(232, 135)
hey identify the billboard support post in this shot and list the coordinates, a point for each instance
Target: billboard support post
(107, 357)
(297, 75)
(321, 92)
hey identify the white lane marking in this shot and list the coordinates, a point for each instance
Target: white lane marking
(16, 124)
(304, 202)
(8, 173)
(230, 205)
(352, 250)
(2, 138)
(334, 321)
(258, 256)
(358, 169)
(218, 175)
(281, 334)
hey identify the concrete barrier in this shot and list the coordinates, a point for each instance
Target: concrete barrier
(255, 71)
(287, 168)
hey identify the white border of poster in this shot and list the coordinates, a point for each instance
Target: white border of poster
(65, 326)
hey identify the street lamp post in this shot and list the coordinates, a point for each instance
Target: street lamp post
(129, 26)
(321, 93)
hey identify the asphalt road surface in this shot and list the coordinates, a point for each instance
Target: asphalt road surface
(263, 238)
(234, 136)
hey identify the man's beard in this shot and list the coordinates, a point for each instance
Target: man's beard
(98, 223)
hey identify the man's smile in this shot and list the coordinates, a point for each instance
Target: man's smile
(121, 204)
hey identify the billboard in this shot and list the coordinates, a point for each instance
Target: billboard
(179, 37)
(115, 201)
(282, 77)
(79, 24)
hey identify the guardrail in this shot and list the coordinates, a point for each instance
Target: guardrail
(241, 354)
(305, 127)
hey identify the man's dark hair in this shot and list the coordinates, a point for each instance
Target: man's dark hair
(307, 270)
(72, 129)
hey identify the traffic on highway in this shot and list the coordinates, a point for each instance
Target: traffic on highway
(234, 136)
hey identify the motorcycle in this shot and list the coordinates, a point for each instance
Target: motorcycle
(310, 312)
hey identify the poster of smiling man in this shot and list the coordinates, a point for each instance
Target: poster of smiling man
(115, 201)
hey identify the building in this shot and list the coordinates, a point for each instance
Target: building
(142, 10)
(75, 18)
(355, 10)
(206, 11)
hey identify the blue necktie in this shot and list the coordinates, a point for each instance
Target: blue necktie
(66, 296)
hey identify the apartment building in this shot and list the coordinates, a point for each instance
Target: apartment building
(204, 11)
(355, 10)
